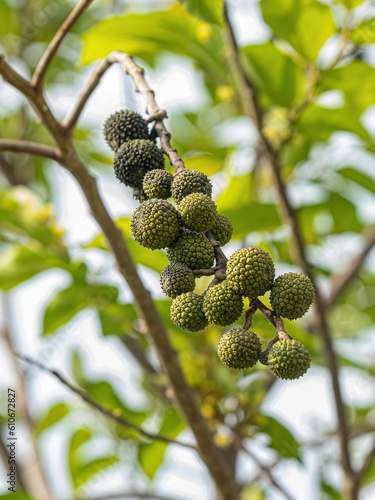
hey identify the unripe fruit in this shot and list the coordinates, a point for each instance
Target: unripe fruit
(134, 159)
(221, 305)
(157, 184)
(197, 212)
(124, 126)
(176, 279)
(192, 249)
(250, 272)
(155, 224)
(239, 349)
(190, 181)
(187, 312)
(288, 359)
(292, 295)
(222, 229)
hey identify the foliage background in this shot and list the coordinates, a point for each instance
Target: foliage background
(64, 303)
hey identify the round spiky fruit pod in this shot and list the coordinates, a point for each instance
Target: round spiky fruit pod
(157, 184)
(192, 249)
(134, 159)
(221, 305)
(288, 359)
(250, 272)
(222, 229)
(197, 212)
(187, 312)
(292, 295)
(176, 279)
(239, 349)
(124, 126)
(190, 181)
(155, 224)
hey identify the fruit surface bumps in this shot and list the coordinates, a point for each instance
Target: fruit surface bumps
(124, 126)
(292, 295)
(187, 312)
(134, 159)
(222, 306)
(155, 224)
(176, 279)
(288, 359)
(190, 181)
(239, 348)
(250, 272)
(222, 229)
(157, 184)
(197, 212)
(192, 249)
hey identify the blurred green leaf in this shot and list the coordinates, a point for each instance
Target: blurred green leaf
(67, 303)
(19, 263)
(147, 35)
(151, 455)
(331, 492)
(364, 33)
(210, 11)
(282, 440)
(305, 24)
(117, 319)
(358, 177)
(17, 495)
(274, 74)
(56, 413)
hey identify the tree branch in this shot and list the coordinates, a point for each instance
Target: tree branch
(45, 61)
(111, 414)
(31, 148)
(247, 89)
(341, 282)
(366, 465)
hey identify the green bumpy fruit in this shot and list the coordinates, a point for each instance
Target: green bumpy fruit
(222, 229)
(250, 272)
(288, 359)
(239, 349)
(197, 212)
(222, 306)
(157, 184)
(192, 249)
(134, 159)
(292, 295)
(190, 181)
(155, 224)
(176, 279)
(187, 312)
(124, 126)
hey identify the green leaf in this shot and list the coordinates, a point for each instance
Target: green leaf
(56, 413)
(17, 495)
(151, 455)
(117, 319)
(246, 215)
(274, 74)
(358, 177)
(20, 263)
(351, 4)
(83, 473)
(305, 24)
(67, 303)
(282, 440)
(148, 35)
(210, 11)
(348, 79)
(364, 33)
(331, 492)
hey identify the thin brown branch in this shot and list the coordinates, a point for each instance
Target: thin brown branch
(111, 414)
(369, 460)
(247, 89)
(45, 61)
(340, 283)
(31, 148)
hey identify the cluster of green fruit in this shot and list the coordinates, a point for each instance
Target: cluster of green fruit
(182, 230)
